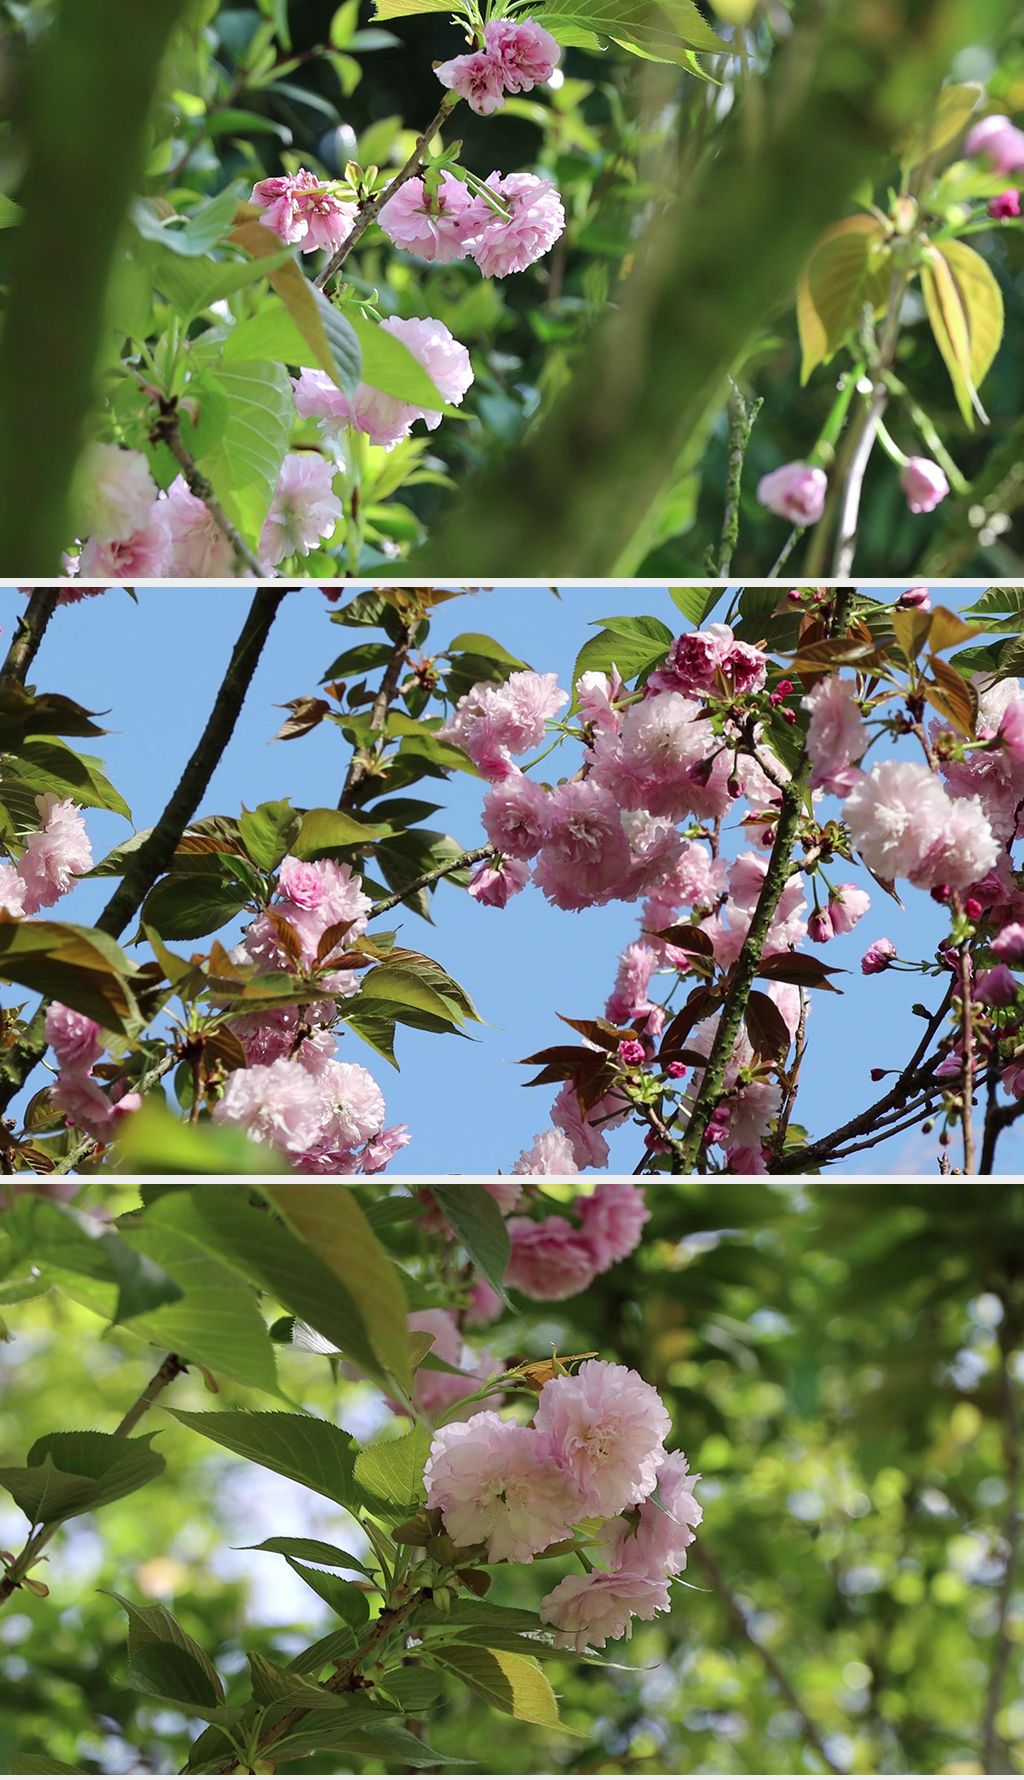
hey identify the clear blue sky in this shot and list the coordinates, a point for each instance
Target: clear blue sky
(154, 666)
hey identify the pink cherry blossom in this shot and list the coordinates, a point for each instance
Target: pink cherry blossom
(433, 228)
(997, 987)
(115, 493)
(301, 210)
(588, 1610)
(665, 1528)
(80, 1098)
(1008, 945)
(492, 722)
(197, 544)
(916, 599)
(485, 1305)
(142, 555)
(904, 824)
(434, 1392)
(924, 484)
(515, 816)
(300, 881)
(628, 1001)
(586, 854)
(847, 904)
(612, 1221)
(524, 51)
(549, 1259)
(596, 695)
(73, 1037)
(607, 1429)
(878, 957)
(12, 891)
(1004, 205)
(352, 1106)
(551, 1153)
(665, 760)
(383, 1148)
(478, 78)
(999, 142)
(795, 491)
(536, 222)
(304, 511)
(496, 1485)
(703, 661)
(57, 853)
(492, 885)
(836, 735)
(277, 1103)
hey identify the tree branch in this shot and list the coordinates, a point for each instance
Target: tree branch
(704, 1560)
(991, 1757)
(158, 849)
(369, 208)
(167, 427)
(741, 425)
(360, 764)
(28, 634)
(472, 857)
(164, 1375)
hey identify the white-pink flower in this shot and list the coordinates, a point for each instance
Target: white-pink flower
(612, 1221)
(57, 853)
(12, 891)
(434, 1392)
(551, 1153)
(115, 493)
(588, 1610)
(73, 1037)
(197, 544)
(999, 141)
(515, 816)
(526, 52)
(352, 1105)
(537, 220)
(433, 227)
(304, 510)
(904, 824)
(836, 735)
(277, 1103)
(496, 1485)
(478, 78)
(665, 1527)
(141, 555)
(924, 484)
(492, 722)
(585, 855)
(492, 885)
(607, 1429)
(795, 491)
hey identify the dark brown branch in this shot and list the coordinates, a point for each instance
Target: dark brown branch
(361, 765)
(434, 876)
(999, 1119)
(28, 634)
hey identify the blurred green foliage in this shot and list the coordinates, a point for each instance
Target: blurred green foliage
(840, 1362)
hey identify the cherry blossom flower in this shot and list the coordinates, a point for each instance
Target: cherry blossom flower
(434, 228)
(57, 853)
(115, 493)
(924, 484)
(588, 1610)
(549, 1259)
(536, 222)
(197, 544)
(795, 491)
(301, 209)
(496, 1485)
(73, 1037)
(478, 78)
(304, 511)
(524, 51)
(607, 1429)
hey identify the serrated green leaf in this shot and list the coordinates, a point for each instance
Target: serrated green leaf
(473, 1215)
(309, 1451)
(72, 1473)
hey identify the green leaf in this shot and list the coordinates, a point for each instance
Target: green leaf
(314, 1551)
(631, 644)
(59, 1236)
(965, 309)
(193, 285)
(944, 121)
(309, 1451)
(310, 331)
(154, 1625)
(204, 227)
(188, 906)
(403, 988)
(268, 1254)
(76, 965)
(479, 1226)
(75, 1473)
(695, 603)
(513, 1683)
(245, 461)
(268, 831)
(390, 1472)
(323, 832)
(154, 1141)
(48, 765)
(398, 9)
(273, 1686)
(665, 30)
(343, 1598)
(170, 1673)
(848, 268)
(330, 1223)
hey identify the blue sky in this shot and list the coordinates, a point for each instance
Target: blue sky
(154, 666)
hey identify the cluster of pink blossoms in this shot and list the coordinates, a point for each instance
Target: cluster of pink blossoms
(516, 56)
(383, 418)
(76, 1044)
(303, 210)
(595, 1450)
(454, 224)
(53, 856)
(132, 531)
(325, 1115)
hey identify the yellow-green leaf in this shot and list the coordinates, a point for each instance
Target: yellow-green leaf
(965, 309)
(848, 268)
(513, 1683)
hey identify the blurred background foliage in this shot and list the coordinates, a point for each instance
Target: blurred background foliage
(842, 1362)
(586, 449)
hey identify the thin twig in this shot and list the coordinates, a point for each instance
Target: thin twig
(704, 1560)
(16, 1572)
(28, 634)
(1000, 1119)
(741, 425)
(167, 427)
(361, 765)
(370, 207)
(436, 873)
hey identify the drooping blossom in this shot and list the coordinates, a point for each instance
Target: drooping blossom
(73, 1037)
(551, 1153)
(304, 511)
(383, 418)
(1008, 944)
(492, 885)
(301, 209)
(998, 141)
(515, 815)
(197, 544)
(588, 1610)
(12, 891)
(1004, 205)
(524, 51)
(924, 483)
(478, 78)
(847, 904)
(795, 491)
(607, 1429)
(665, 1527)
(537, 219)
(496, 1485)
(612, 1219)
(549, 1259)
(701, 661)
(878, 957)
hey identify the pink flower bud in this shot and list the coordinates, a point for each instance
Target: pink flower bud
(973, 909)
(878, 956)
(1001, 143)
(916, 599)
(492, 885)
(795, 491)
(676, 1071)
(631, 1051)
(923, 483)
(1004, 205)
(1009, 944)
(819, 927)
